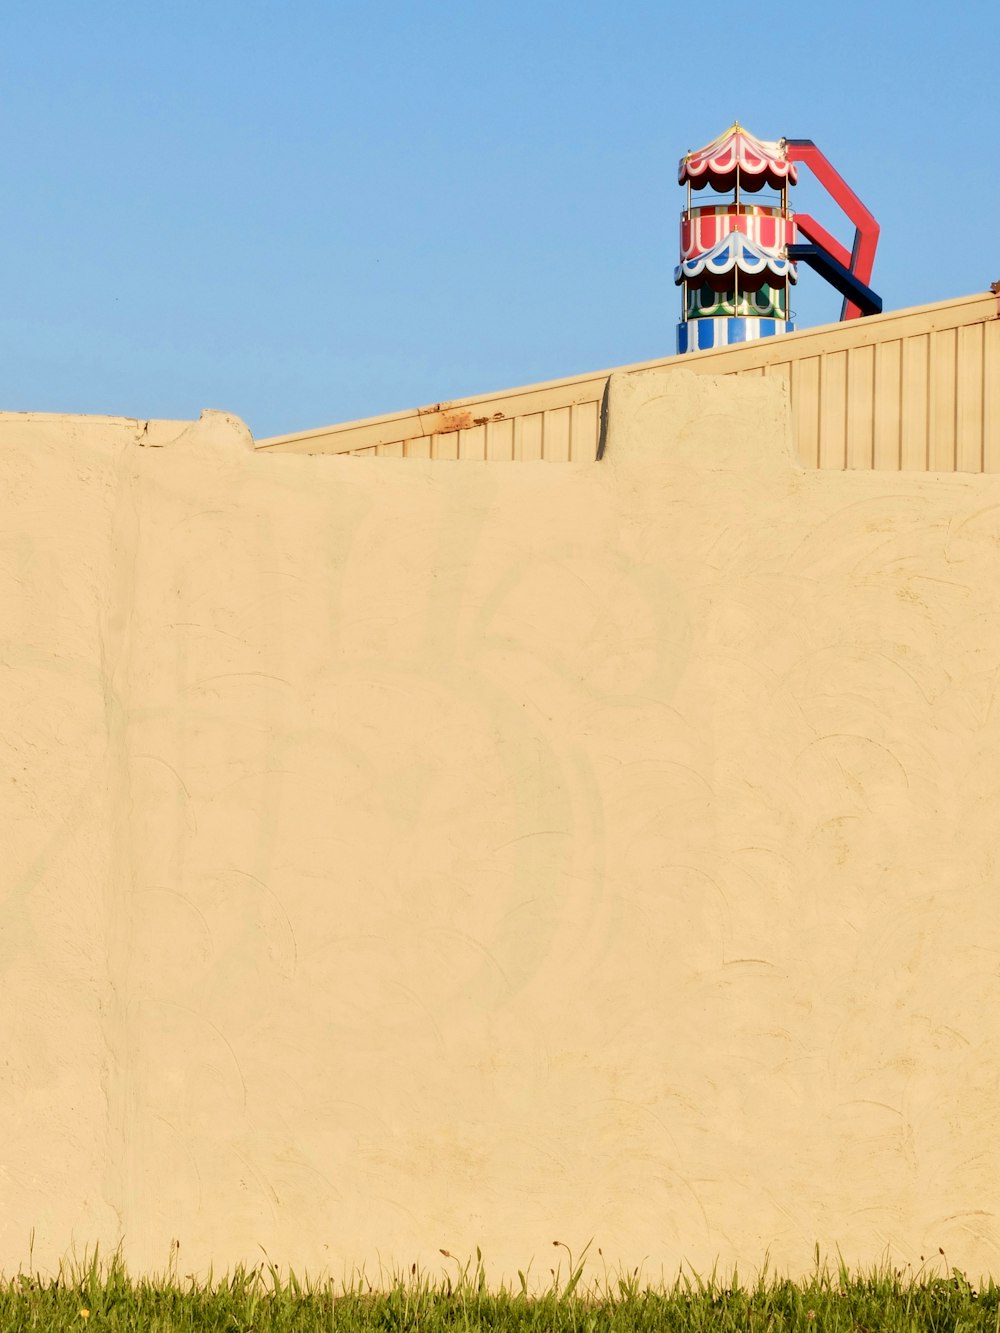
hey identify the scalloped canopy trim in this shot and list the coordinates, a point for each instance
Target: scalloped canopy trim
(736, 251)
(760, 161)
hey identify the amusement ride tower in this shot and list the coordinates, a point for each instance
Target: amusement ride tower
(738, 252)
(734, 272)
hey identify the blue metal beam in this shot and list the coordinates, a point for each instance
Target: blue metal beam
(851, 288)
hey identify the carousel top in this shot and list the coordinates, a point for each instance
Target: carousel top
(760, 162)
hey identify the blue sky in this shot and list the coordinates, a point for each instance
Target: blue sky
(319, 210)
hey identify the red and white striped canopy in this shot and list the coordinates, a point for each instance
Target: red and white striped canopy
(760, 161)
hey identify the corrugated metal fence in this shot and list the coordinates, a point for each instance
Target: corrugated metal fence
(914, 390)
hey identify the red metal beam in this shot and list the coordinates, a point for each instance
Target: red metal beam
(809, 227)
(862, 257)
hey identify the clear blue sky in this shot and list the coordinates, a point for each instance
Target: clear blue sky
(324, 209)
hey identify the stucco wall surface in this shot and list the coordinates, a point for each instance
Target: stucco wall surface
(401, 855)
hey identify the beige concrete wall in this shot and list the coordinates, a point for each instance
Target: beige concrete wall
(400, 857)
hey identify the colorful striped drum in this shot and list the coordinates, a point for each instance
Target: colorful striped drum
(701, 228)
(700, 335)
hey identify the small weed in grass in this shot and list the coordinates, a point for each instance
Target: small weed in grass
(98, 1296)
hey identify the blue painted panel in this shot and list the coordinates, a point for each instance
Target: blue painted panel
(700, 335)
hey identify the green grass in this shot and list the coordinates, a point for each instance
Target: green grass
(102, 1296)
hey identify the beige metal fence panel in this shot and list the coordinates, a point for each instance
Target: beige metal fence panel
(418, 448)
(913, 390)
(472, 444)
(833, 410)
(941, 401)
(442, 420)
(914, 379)
(528, 438)
(585, 431)
(887, 421)
(991, 397)
(556, 439)
(500, 441)
(445, 446)
(861, 408)
(560, 435)
(969, 398)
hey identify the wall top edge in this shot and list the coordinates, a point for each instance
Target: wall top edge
(97, 419)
